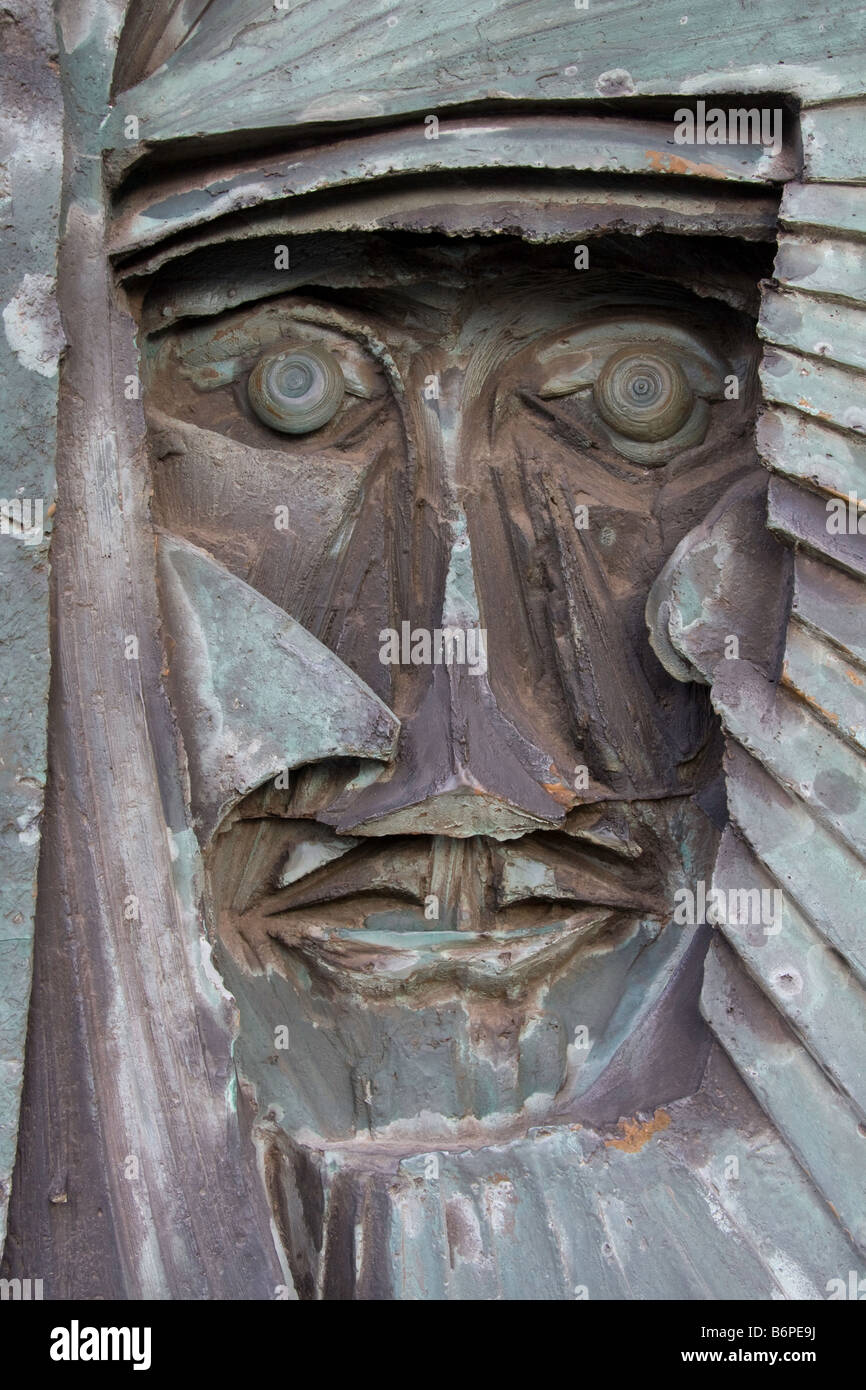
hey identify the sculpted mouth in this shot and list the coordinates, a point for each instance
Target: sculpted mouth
(394, 956)
(416, 907)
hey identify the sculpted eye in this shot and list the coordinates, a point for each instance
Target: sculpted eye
(643, 395)
(645, 382)
(297, 390)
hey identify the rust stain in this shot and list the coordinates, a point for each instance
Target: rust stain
(809, 699)
(663, 162)
(636, 1133)
(560, 792)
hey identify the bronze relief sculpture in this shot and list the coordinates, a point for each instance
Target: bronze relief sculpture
(483, 724)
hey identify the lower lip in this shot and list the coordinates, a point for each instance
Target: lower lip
(364, 952)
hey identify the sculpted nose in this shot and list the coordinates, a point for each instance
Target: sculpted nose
(462, 767)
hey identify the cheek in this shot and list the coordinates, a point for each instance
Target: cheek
(563, 502)
(567, 526)
(257, 511)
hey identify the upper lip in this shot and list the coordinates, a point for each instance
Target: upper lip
(584, 867)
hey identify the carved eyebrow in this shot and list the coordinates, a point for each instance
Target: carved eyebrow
(360, 375)
(214, 357)
(574, 361)
(354, 326)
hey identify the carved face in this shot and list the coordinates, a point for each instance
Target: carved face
(460, 467)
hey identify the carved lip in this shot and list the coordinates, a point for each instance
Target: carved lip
(411, 906)
(359, 953)
(591, 862)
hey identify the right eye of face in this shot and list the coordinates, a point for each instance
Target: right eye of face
(280, 377)
(298, 389)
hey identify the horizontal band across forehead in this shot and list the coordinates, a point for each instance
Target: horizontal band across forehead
(220, 70)
(405, 165)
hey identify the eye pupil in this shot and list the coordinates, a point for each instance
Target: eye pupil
(643, 394)
(296, 380)
(297, 390)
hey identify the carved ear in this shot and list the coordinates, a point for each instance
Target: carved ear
(252, 690)
(725, 591)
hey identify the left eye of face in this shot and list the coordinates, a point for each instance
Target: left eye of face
(643, 395)
(298, 389)
(648, 383)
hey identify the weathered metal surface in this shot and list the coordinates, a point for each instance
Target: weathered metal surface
(795, 745)
(799, 971)
(830, 685)
(273, 70)
(820, 1124)
(801, 448)
(803, 814)
(813, 386)
(816, 327)
(618, 1216)
(546, 212)
(133, 1165)
(506, 883)
(832, 142)
(823, 265)
(723, 580)
(830, 602)
(263, 694)
(802, 518)
(790, 842)
(30, 345)
(828, 207)
(577, 144)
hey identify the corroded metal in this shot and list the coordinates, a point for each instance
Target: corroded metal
(398, 742)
